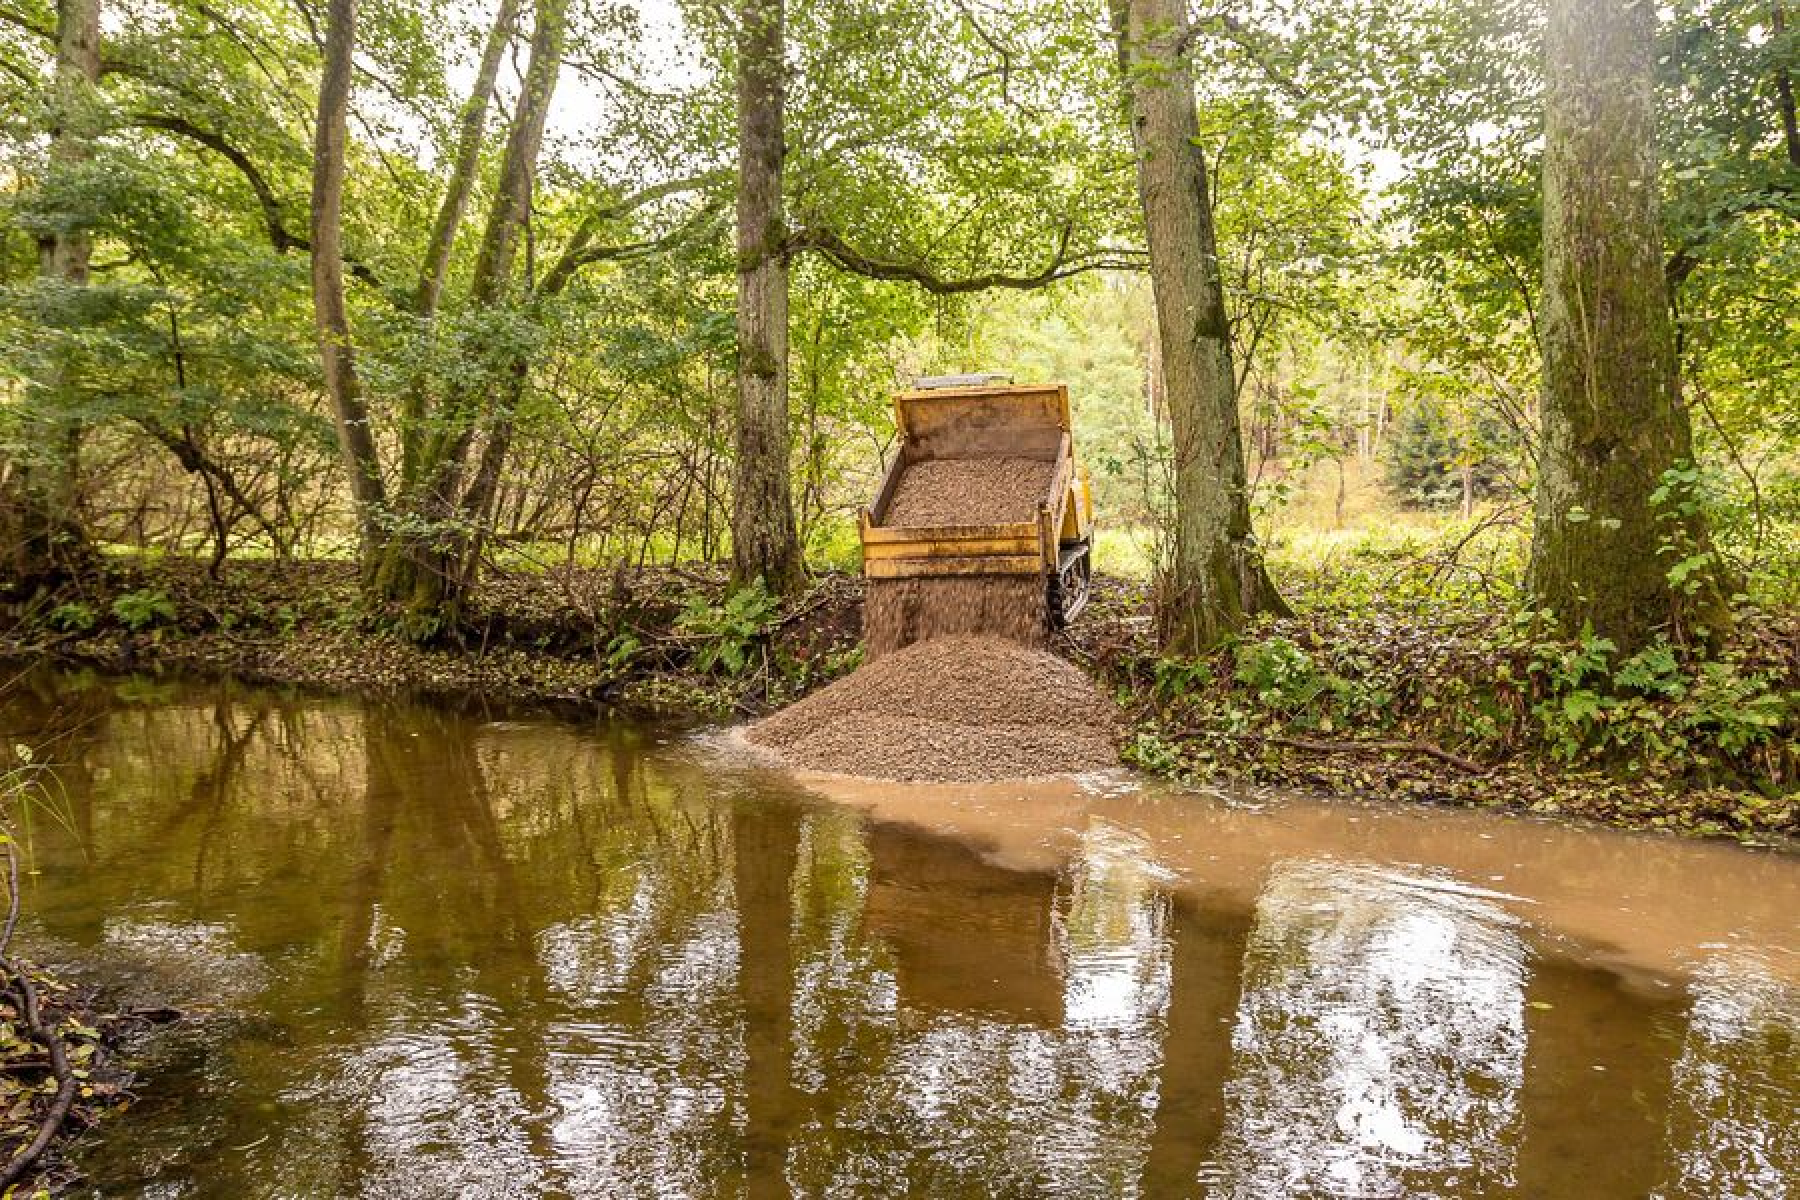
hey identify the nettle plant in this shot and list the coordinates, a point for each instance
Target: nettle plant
(146, 609)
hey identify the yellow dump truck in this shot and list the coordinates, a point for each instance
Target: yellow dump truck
(1006, 451)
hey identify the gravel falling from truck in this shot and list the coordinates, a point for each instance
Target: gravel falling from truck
(956, 685)
(952, 709)
(899, 612)
(960, 492)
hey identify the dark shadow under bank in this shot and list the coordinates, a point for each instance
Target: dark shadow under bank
(578, 644)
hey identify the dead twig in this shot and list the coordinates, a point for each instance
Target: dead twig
(19, 980)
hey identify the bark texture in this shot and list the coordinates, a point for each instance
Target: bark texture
(1213, 576)
(65, 255)
(356, 442)
(1613, 419)
(765, 544)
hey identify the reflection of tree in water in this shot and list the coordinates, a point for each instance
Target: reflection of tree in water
(511, 959)
(492, 958)
(1732, 1125)
(1380, 1041)
(937, 1033)
(1206, 955)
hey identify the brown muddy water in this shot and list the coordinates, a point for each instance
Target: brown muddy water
(446, 954)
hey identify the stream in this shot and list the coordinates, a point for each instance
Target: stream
(437, 952)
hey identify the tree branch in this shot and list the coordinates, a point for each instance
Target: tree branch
(1061, 265)
(581, 251)
(280, 236)
(1681, 264)
(1253, 43)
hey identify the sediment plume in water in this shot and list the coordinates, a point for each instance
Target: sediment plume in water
(969, 491)
(952, 709)
(899, 612)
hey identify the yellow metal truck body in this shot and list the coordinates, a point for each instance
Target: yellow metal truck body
(983, 419)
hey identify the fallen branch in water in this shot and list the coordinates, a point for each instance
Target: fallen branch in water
(18, 981)
(1402, 747)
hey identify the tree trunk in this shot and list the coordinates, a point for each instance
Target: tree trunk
(1612, 416)
(764, 543)
(1213, 576)
(40, 531)
(471, 132)
(64, 256)
(1784, 92)
(471, 128)
(425, 574)
(356, 442)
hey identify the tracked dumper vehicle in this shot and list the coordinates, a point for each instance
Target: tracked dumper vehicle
(983, 520)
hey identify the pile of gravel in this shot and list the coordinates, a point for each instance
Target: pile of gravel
(969, 491)
(953, 709)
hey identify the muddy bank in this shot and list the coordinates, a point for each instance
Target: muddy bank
(63, 1069)
(628, 642)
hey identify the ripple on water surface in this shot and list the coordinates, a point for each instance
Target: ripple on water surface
(459, 956)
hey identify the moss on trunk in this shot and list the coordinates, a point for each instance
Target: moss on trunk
(1613, 418)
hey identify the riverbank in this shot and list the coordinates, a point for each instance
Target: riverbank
(61, 1072)
(1467, 709)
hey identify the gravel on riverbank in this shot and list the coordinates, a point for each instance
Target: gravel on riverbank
(950, 709)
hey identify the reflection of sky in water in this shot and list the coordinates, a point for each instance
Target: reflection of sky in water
(1733, 1129)
(200, 956)
(1116, 975)
(1380, 1039)
(534, 983)
(942, 1101)
(416, 1103)
(645, 1097)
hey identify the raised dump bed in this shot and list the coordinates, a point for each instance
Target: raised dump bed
(981, 524)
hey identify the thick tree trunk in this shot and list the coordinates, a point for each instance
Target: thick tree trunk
(65, 255)
(426, 573)
(1213, 577)
(764, 543)
(356, 442)
(1613, 420)
(41, 537)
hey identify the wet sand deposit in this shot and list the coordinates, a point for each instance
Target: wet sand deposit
(952, 709)
(969, 491)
